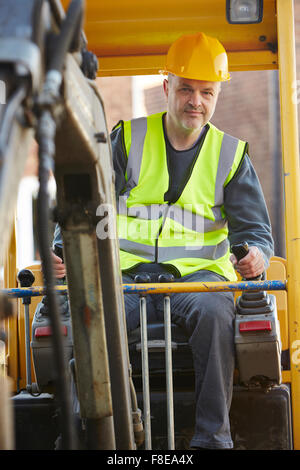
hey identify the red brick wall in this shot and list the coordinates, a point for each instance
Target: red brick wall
(116, 95)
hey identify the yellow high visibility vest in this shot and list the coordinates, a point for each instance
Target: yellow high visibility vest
(192, 233)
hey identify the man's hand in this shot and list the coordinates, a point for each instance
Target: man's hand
(58, 266)
(252, 265)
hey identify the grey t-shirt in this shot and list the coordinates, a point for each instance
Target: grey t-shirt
(180, 165)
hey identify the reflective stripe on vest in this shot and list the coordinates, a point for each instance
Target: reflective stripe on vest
(138, 212)
(176, 213)
(167, 253)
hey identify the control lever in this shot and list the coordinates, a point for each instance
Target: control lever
(166, 277)
(63, 303)
(257, 333)
(254, 301)
(58, 251)
(143, 278)
(26, 279)
(240, 250)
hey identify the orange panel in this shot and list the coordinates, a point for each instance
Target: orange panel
(136, 29)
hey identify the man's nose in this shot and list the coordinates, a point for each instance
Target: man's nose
(196, 99)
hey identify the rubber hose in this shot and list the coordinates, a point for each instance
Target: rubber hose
(46, 133)
(70, 26)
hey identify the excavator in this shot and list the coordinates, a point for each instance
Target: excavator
(68, 339)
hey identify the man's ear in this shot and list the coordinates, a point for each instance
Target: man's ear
(166, 87)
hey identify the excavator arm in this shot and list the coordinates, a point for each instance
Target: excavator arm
(51, 95)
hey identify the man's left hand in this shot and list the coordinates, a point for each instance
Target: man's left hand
(252, 265)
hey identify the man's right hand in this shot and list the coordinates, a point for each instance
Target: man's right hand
(252, 265)
(58, 267)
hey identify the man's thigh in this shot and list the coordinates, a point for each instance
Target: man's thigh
(187, 308)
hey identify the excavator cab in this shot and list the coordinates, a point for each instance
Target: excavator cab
(151, 369)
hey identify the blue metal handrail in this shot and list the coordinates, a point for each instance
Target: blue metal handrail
(166, 288)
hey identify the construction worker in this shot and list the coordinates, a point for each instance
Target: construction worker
(186, 191)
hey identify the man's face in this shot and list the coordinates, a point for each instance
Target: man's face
(191, 103)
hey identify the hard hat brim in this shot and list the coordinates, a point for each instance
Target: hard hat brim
(203, 78)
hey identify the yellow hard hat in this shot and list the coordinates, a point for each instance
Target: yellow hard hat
(198, 57)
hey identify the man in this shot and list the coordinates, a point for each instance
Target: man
(186, 192)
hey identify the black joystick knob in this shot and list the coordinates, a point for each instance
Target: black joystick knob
(240, 250)
(166, 277)
(142, 278)
(58, 251)
(26, 278)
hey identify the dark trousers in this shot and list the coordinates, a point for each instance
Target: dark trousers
(209, 320)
